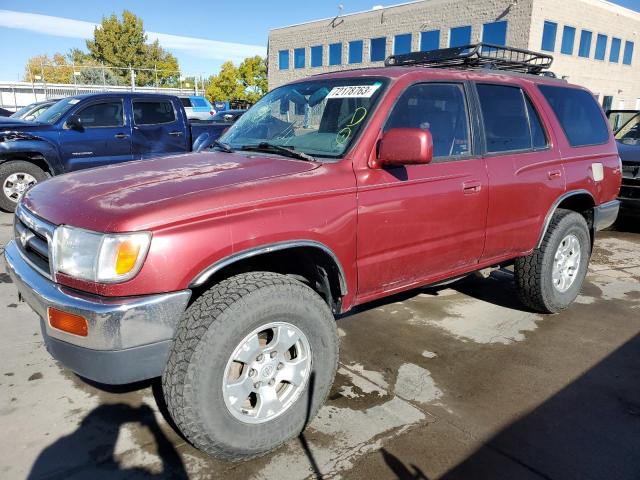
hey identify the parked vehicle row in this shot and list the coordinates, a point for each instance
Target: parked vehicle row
(94, 130)
(221, 271)
(628, 139)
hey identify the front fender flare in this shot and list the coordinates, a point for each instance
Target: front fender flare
(204, 275)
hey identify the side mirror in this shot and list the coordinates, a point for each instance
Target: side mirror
(405, 146)
(74, 123)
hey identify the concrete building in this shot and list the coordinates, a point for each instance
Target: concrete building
(594, 42)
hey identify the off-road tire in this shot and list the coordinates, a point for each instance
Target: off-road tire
(17, 166)
(210, 330)
(533, 273)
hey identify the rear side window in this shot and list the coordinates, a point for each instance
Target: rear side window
(107, 114)
(439, 108)
(538, 137)
(578, 114)
(152, 112)
(506, 122)
(186, 102)
(199, 102)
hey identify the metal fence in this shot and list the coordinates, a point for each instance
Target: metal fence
(14, 95)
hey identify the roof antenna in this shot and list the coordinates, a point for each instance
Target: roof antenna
(334, 23)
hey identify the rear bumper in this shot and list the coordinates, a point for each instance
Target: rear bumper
(129, 337)
(605, 215)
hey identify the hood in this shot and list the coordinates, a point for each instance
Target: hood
(629, 153)
(150, 193)
(15, 124)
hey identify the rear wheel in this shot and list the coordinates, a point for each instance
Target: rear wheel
(16, 177)
(549, 279)
(253, 360)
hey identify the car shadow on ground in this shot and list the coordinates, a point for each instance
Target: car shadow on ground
(589, 429)
(89, 451)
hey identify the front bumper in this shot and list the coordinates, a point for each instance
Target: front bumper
(129, 337)
(605, 215)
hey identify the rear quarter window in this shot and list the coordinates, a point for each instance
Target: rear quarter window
(186, 102)
(579, 115)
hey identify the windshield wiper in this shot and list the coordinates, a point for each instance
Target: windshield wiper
(289, 152)
(222, 146)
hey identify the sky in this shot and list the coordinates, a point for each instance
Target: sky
(202, 34)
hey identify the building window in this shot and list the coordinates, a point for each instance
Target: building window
(495, 33)
(549, 36)
(316, 56)
(601, 47)
(429, 40)
(568, 37)
(298, 58)
(378, 49)
(283, 59)
(335, 54)
(614, 53)
(402, 44)
(607, 102)
(628, 53)
(355, 51)
(584, 49)
(460, 36)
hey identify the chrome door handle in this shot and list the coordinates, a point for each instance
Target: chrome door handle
(121, 135)
(175, 134)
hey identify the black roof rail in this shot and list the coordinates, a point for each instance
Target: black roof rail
(475, 56)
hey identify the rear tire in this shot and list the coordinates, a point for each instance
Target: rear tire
(215, 330)
(17, 176)
(549, 279)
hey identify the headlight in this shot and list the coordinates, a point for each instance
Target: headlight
(99, 257)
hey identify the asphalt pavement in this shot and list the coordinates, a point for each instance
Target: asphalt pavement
(455, 382)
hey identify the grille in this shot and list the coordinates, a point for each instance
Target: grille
(33, 238)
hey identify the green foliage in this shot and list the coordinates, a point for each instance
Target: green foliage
(117, 43)
(247, 82)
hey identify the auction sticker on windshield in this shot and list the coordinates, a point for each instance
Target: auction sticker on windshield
(354, 91)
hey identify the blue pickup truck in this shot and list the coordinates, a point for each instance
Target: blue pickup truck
(90, 131)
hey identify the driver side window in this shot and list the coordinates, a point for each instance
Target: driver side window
(107, 114)
(441, 109)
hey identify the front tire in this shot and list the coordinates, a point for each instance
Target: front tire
(16, 177)
(549, 279)
(253, 361)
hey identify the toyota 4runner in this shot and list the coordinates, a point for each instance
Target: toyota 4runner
(221, 271)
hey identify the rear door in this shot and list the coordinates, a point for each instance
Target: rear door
(420, 222)
(158, 128)
(105, 136)
(524, 165)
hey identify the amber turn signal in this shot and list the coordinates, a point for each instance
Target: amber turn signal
(127, 256)
(68, 322)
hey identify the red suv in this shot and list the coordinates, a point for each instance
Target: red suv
(221, 271)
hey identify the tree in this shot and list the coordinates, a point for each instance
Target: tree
(226, 85)
(247, 82)
(54, 69)
(253, 76)
(123, 44)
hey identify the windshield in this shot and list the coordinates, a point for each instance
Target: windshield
(629, 134)
(317, 117)
(22, 111)
(55, 111)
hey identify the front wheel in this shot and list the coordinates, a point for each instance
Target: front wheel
(549, 279)
(253, 360)
(16, 177)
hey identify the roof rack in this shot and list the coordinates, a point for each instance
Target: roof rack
(476, 56)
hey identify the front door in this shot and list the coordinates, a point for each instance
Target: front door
(157, 128)
(103, 138)
(420, 222)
